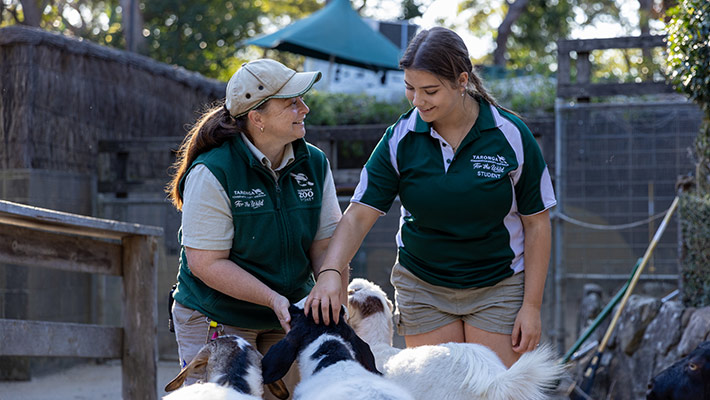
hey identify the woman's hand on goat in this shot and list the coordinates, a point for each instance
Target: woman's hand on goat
(325, 296)
(280, 306)
(527, 329)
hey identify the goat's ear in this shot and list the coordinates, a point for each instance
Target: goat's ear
(279, 389)
(279, 358)
(363, 353)
(196, 367)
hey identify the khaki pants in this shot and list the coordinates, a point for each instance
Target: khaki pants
(192, 331)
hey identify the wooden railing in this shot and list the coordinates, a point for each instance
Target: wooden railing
(122, 159)
(31, 236)
(583, 88)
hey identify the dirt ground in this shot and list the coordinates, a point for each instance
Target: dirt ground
(82, 382)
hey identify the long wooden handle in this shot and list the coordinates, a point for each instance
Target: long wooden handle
(639, 270)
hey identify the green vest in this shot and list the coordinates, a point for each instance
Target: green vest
(274, 225)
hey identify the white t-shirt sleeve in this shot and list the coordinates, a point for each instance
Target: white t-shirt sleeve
(330, 212)
(206, 213)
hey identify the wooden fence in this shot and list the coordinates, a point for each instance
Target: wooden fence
(583, 88)
(141, 165)
(31, 236)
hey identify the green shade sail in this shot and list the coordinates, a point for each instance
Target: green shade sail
(336, 33)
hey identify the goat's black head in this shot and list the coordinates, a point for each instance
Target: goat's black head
(689, 378)
(337, 342)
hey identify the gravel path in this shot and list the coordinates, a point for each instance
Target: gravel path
(82, 382)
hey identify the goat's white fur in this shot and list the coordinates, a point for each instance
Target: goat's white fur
(208, 391)
(449, 371)
(346, 380)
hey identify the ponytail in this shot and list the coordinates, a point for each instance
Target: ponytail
(211, 130)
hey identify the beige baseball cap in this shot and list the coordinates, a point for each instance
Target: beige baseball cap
(260, 80)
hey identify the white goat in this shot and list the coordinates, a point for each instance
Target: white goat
(230, 368)
(334, 363)
(449, 371)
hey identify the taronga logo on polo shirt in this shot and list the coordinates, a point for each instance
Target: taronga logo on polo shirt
(248, 198)
(301, 179)
(489, 166)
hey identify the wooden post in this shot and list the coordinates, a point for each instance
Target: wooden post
(140, 345)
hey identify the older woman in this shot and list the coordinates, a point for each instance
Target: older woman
(258, 209)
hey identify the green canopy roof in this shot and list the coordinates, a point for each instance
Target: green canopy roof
(335, 31)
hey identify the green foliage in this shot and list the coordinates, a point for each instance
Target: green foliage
(689, 51)
(688, 69)
(198, 35)
(695, 248)
(527, 95)
(410, 9)
(531, 44)
(351, 109)
(97, 21)
(688, 61)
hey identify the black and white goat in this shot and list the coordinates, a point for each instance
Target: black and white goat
(449, 371)
(333, 361)
(229, 367)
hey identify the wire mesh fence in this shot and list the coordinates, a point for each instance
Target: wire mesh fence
(617, 174)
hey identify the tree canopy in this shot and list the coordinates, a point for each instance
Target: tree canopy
(200, 35)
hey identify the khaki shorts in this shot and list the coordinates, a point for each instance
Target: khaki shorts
(192, 331)
(422, 307)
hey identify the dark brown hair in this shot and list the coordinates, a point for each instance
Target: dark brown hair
(211, 130)
(442, 52)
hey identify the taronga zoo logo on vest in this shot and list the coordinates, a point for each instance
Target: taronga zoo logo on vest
(489, 166)
(253, 198)
(305, 194)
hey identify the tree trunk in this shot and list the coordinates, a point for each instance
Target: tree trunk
(514, 11)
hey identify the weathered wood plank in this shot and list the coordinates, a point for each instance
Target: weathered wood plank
(612, 89)
(563, 67)
(584, 68)
(140, 314)
(56, 339)
(627, 42)
(153, 144)
(57, 221)
(355, 132)
(133, 186)
(26, 246)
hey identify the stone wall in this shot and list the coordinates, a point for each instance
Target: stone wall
(651, 335)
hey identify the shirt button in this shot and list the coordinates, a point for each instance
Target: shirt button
(448, 160)
(443, 144)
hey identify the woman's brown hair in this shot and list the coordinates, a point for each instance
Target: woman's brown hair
(442, 52)
(211, 130)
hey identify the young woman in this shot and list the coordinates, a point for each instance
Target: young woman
(474, 238)
(258, 209)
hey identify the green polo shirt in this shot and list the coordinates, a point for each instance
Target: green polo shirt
(460, 221)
